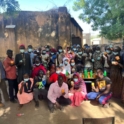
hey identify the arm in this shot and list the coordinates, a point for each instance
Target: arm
(50, 92)
(7, 67)
(21, 88)
(66, 91)
(108, 87)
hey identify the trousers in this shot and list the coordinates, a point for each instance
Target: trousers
(13, 86)
(4, 91)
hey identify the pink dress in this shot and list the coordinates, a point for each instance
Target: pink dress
(25, 97)
(78, 96)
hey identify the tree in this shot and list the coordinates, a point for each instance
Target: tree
(104, 15)
(9, 7)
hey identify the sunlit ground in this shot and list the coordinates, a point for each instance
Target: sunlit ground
(70, 115)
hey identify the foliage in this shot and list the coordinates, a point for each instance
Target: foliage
(9, 8)
(104, 15)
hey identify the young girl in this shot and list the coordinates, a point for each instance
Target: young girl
(25, 94)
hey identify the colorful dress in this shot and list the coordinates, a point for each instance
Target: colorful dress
(27, 94)
(78, 96)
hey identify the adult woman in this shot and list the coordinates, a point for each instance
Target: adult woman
(66, 67)
(25, 94)
(116, 72)
(60, 55)
(78, 90)
(73, 66)
(37, 67)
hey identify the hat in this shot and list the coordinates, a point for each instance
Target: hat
(22, 45)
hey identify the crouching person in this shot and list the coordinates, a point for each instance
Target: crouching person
(39, 87)
(58, 94)
(25, 93)
(101, 90)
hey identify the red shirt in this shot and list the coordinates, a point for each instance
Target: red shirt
(10, 70)
(36, 69)
(54, 77)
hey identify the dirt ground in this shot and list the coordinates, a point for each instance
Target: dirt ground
(69, 115)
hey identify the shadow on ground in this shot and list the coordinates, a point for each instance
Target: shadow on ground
(70, 115)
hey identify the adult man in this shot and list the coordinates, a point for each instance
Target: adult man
(58, 94)
(3, 85)
(23, 62)
(11, 76)
(101, 89)
(30, 52)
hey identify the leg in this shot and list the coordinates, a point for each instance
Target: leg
(51, 106)
(36, 93)
(4, 90)
(11, 87)
(103, 99)
(92, 95)
(16, 87)
(64, 101)
(43, 92)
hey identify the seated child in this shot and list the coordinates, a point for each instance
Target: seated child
(25, 93)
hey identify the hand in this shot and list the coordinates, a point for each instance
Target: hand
(63, 93)
(37, 84)
(98, 58)
(114, 63)
(123, 74)
(97, 98)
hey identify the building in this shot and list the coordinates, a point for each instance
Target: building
(54, 27)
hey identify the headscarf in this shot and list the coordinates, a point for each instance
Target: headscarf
(67, 67)
(80, 83)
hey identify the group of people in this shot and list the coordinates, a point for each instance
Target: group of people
(55, 75)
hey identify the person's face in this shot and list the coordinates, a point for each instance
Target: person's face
(41, 74)
(10, 54)
(60, 81)
(98, 73)
(75, 78)
(58, 69)
(22, 49)
(37, 61)
(26, 76)
(30, 49)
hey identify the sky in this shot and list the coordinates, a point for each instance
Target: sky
(43, 5)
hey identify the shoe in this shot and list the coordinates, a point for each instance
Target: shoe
(13, 101)
(36, 104)
(1, 105)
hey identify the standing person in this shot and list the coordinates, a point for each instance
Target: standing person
(101, 89)
(23, 63)
(58, 94)
(73, 66)
(37, 67)
(66, 66)
(79, 60)
(78, 90)
(3, 85)
(11, 76)
(116, 72)
(45, 58)
(30, 52)
(60, 55)
(25, 94)
(106, 60)
(97, 59)
(122, 96)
